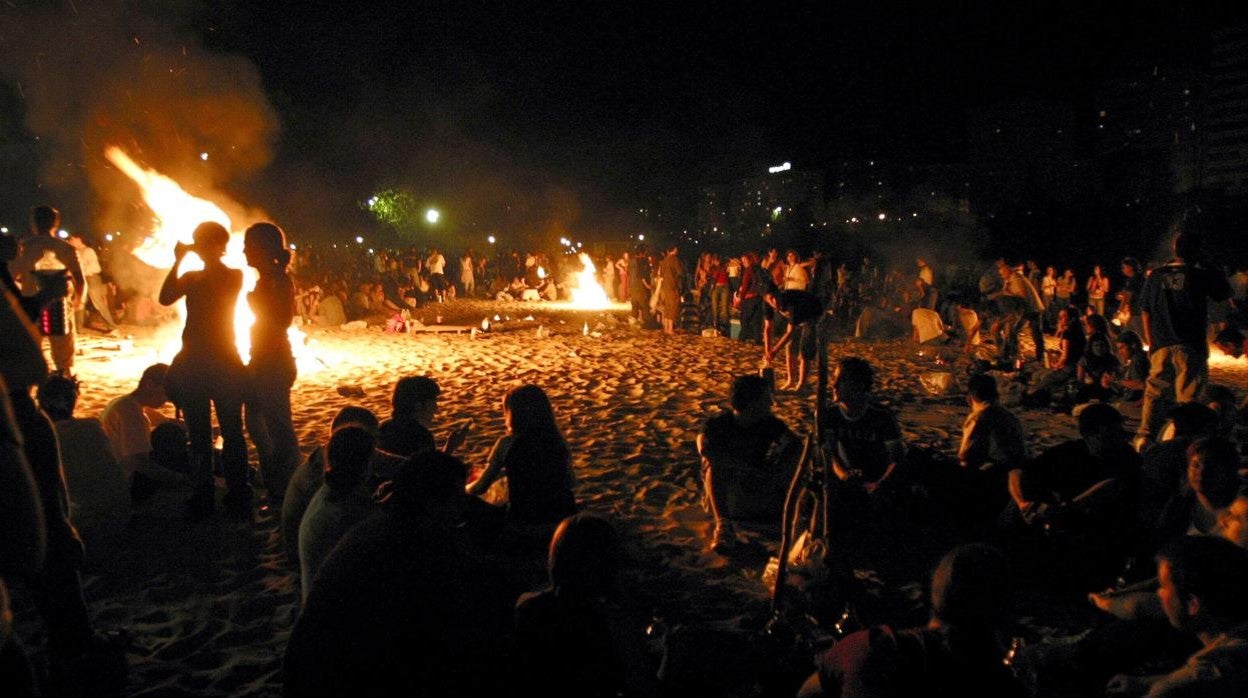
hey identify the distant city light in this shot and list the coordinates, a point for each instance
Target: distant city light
(108, 237)
(203, 156)
(777, 210)
(4, 230)
(432, 215)
(780, 168)
(882, 216)
(372, 201)
(641, 237)
(578, 245)
(854, 219)
(491, 239)
(359, 239)
(370, 250)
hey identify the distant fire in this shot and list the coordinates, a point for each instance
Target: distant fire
(588, 292)
(175, 214)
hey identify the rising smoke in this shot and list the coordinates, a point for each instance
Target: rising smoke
(91, 74)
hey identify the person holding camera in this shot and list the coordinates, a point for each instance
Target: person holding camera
(207, 370)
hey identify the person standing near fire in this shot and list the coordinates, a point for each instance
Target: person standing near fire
(272, 366)
(44, 265)
(207, 371)
(97, 288)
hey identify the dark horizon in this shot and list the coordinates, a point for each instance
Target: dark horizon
(543, 119)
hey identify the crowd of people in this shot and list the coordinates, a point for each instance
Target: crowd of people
(494, 571)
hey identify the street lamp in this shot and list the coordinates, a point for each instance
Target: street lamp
(432, 215)
(491, 239)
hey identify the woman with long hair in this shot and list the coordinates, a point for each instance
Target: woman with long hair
(534, 458)
(207, 372)
(272, 365)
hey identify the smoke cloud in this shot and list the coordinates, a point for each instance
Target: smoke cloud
(94, 74)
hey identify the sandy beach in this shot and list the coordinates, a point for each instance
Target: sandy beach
(210, 606)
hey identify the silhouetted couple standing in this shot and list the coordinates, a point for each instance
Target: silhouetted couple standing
(208, 371)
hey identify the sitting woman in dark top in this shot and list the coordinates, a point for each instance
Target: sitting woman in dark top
(536, 462)
(1096, 370)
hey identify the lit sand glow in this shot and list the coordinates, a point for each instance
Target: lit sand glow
(1220, 360)
(175, 214)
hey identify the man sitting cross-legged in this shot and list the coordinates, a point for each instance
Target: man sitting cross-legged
(747, 460)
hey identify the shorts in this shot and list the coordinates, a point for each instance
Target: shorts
(804, 340)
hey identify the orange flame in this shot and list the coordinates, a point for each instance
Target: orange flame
(175, 213)
(588, 292)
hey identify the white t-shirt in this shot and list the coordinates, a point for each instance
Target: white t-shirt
(129, 428)
(437, 264)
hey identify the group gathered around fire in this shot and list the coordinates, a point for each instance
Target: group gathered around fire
(420, 572)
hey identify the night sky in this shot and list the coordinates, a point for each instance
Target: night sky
(579, 111)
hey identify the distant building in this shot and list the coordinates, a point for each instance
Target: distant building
(1147, 135)
(759, 200)
(712, 215)
(1021, 153)
(1226, 135)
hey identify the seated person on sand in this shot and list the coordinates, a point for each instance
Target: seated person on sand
(959, 651)
(407, 432)
(1063, 364)
(862, 438)
(99, 492)
(1096, 370)
(1202, 582)
(993, 444)
(1133, 366)
(1163, 467)
(342, 501)
(535, 459)
(402, 605)
(1073, 506)
(802, 311)
(747, 460)
(310, 475)
(580, 636)
(129, 421)
(513, 291)
(330, 311)
(1213, 504)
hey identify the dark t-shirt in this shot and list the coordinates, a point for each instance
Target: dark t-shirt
(727, 442)
(802, 306)
(864, 443)
(1069, 469)
(1176, 299)
(751, 463)
(405, 437)
(1078, 344)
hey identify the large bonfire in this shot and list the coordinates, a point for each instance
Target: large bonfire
(175, 214)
